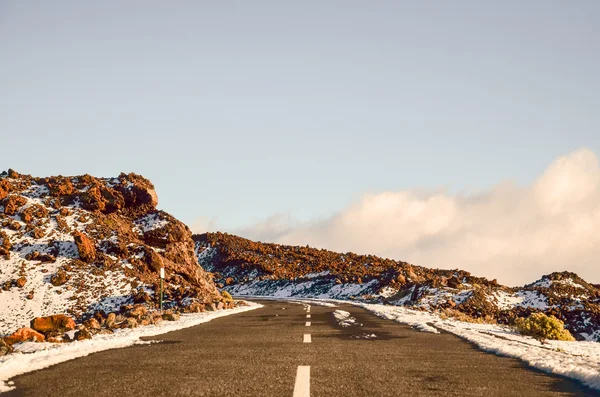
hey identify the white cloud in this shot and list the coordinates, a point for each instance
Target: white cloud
(514, 234)
(270, 228)
(203, 225)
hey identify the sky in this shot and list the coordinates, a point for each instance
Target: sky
(283, 120)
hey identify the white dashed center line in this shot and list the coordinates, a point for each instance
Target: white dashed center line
(307, 338)
(308, 323)
(302, 386)
(308, 316)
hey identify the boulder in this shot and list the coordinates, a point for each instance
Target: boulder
(156, 318)
(24, 334)
(92, 323)
(196, 307)
(61, 187)
(111, 320)
(130, 322)
(85, 246)
(82, 334)
(37, 256)
(21, 281)
(137, 191)
(170, 316)
(5, 187)
(59, 278)
(38, 233)
(137, 312)
(5, 241)
(12, 204)
(35, 211)
(58, 322)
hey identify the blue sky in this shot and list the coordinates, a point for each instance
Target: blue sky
(240, 110)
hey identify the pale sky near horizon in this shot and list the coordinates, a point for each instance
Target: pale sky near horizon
(241, 110)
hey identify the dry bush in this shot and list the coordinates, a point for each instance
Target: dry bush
(540, 326)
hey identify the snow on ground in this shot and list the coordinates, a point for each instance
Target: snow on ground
(347, 290)
(546, 283)
(316, 275)
(35, 356)
(414, 318)
(149, 222)
(17, 305)
(343, 318)
(507, 301)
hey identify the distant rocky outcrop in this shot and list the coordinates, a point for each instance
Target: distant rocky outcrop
(246, 267)
(86, 247)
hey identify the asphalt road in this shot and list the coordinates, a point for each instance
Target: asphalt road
(258, 353)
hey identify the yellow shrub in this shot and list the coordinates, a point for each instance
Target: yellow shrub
(543, 327)
(227, 296)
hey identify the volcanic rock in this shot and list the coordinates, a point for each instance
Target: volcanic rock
(82, 334)
(12, 204)
(21, 281)
(85, 247)
(59, 278)
(24, 334)
(58, 322)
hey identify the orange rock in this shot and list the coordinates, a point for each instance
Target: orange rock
(59, 278)
(35, 211)
(24, 334)
(82, 334)
(58, 322)
(13, 203)
(92, 323)
(5, 187)
(5, 241)
(59, 186)
(85, 246)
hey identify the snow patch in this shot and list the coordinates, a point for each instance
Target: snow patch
(343, 318)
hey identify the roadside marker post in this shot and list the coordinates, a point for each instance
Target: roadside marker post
(162, 276)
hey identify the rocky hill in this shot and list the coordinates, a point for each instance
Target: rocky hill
(83, 246)
(244, 267)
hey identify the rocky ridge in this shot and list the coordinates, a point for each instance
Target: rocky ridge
(245, 267)
(91, 249)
